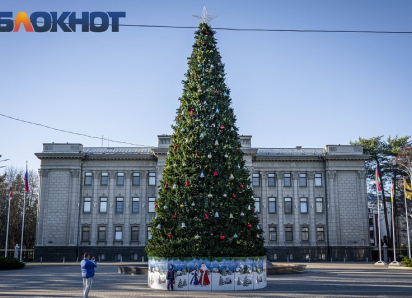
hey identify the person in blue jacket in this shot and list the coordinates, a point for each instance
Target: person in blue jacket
(87, 273)
(170, 277)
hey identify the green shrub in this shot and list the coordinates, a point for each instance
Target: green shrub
(407, 262)
(7, 263)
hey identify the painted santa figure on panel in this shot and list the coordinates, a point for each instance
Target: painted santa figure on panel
(204, 276)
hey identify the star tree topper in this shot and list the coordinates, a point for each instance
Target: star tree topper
(204, 18)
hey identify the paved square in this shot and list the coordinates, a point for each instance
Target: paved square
(320, 280)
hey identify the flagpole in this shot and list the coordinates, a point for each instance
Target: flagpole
(24, 209)
(394, 262)
(406, 218)
(379, 229)
(7, 231)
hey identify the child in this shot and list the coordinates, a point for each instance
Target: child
(170, 277)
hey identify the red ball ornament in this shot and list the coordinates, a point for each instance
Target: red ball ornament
(204, 44)
(156, 206)
(216, 92)
(249, 225)
(207, 216)
(187, 183)
(207, 32)
(237, 148)
(222, 127)
(241, 186)
(191, 112)
(233, 196)
(196, 156)
(166, 185)
(195, 76)
(175, 216)
(222, 237)
(254, 210)
(215, 174)
(217, 63)
(170, 235)
(175, 147)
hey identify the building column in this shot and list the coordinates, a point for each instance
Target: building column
(73, 208)
(333, 211)
(311, 209)
(43, 198)
(363, 207)
(111, 208)
(127, 206)
(263, 215)
(280, 210)
(145, 206)
(295, 209)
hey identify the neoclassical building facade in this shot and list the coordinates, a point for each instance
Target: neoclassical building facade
(312, 203)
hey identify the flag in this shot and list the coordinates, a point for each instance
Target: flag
(10, 190)
(378, 180)
(392, 193)
(26, 180)
(407, 189)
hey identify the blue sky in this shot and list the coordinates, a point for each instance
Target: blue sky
(288, 89)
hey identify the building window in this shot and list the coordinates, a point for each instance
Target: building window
(289, 234)
(118, 235)
(256, 180)
(136, 179)
(88, 178)
(86, 233)
(135, 205)
(135, 234)
(119, 205)
(152, 178)
(120, 179)
(302, 180)
(257, 205)
(101, 257)
(117, 256)
(104, 179)
(287, 181)
(306, 256)
(318, 179)
(134, 256)
(149, 234)
(289, 257)
(320, 234)
(273, 233)
(274, 256)
(305, 234)
(303, 205)
(103, 205)
(151, 205)
(272, 205)
(288, 205)
(322, 256)
(87, 205)
(319, 205)
(271, 180)
(101, 235)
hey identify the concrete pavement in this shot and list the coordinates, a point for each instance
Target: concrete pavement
(320, 280)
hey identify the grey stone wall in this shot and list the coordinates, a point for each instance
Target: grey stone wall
(62, 192)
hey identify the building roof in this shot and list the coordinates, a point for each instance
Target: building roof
(117, 150)
(290, 152)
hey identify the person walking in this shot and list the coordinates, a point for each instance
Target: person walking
(170, 277)
(87, 273)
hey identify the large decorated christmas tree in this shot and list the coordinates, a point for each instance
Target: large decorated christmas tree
(205, 206)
